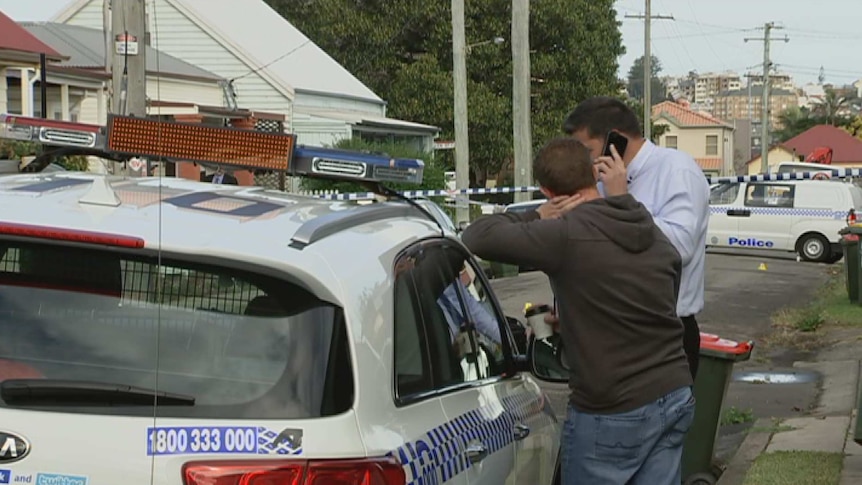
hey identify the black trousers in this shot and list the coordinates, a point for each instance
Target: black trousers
(691, 343)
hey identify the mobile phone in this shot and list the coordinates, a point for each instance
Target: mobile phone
(618, 141)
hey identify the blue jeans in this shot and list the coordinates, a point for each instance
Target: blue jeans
(640, 447)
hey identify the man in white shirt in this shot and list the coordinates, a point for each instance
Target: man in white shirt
(668, 182)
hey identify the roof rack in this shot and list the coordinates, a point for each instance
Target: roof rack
(335, 222)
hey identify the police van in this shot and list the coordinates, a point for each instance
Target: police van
(165, 331)
(801, 216)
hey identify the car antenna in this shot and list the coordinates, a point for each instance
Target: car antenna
(381, 189)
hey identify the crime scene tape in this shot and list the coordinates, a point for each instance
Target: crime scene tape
(768, 177)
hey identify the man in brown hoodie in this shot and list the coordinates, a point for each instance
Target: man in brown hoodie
(616, 279)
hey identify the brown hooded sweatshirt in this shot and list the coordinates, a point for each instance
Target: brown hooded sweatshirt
(616, 279)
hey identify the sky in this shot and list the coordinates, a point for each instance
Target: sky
(705, 36)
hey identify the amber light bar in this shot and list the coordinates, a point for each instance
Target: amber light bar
(199, 143)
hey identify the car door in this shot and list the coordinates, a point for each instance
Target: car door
(769, 206)
(533, 421)
(477, 438)
(724, 214)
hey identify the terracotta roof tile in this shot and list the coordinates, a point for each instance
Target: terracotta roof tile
(684, 116)
(709, 163)
(15, 38)
(845, 147)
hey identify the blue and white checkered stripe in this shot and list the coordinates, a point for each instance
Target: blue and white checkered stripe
(783, 211)
(438, 455)
(836, 173)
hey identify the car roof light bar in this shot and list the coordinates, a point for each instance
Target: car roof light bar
(51, 132)
(339, 164)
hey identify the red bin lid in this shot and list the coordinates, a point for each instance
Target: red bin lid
(717, 344)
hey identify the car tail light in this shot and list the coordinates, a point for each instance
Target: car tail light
(372, 471)
(72, 235)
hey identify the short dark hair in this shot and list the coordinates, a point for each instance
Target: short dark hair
(564, 166)
(601, 114)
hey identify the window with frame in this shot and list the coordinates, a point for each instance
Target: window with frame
(447, 330)
(769, 195)
(670, 141)
(723, 194)
(712, 144)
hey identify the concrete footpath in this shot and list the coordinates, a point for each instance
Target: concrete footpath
(829, 427)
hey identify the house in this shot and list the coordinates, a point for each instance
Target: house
(269, 65)
(846, 149)
(78, 86)
(707, 139)
(21, 52)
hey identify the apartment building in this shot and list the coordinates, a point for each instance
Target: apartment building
(776, 80)
(747, 103)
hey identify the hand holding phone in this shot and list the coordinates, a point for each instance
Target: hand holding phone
(619, 142)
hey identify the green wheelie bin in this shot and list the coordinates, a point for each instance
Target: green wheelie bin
(850, 249)
(717, 357)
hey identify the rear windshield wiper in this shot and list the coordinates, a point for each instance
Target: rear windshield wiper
(54, 392)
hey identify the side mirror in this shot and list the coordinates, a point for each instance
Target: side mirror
(548, 360)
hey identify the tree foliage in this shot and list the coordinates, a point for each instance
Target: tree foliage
(402, 50)
(796, 120)
(635, 81)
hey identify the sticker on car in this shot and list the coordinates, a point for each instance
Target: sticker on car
(191, 440)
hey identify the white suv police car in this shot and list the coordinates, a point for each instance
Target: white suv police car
(167, 331)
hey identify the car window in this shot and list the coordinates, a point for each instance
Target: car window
(446, 328)
(723, 194)
(242, 344)
(769, 195)
(479, 311)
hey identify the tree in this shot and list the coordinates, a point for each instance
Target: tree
(402, 49)
(635, 85)
(793, 121)
(854, 127)
(830, 107)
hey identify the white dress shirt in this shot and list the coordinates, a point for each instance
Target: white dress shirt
(671, 185)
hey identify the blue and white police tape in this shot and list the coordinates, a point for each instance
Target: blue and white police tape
(767, 177)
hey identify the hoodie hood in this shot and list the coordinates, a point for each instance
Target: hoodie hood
(626, 222)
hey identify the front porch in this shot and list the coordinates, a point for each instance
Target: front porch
(70, 96)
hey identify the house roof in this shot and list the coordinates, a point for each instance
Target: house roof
(845, 147)
(681, 116)
(284, 53)
(85, 49)
(17, 40)
(363, 119)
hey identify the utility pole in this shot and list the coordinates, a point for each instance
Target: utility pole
(764, 116)
(462, 142)
(647, 18)
(521, 130)
(128, 65)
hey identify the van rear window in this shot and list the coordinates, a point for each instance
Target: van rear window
(240, 344)
(856, 193)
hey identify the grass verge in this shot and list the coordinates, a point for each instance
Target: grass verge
(732, 415)
(798, 327)
(796, 467)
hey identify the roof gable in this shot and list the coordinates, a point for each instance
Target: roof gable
(845, 147)
(15, 38)
(685, 117)
(286, 53)
(85, 48)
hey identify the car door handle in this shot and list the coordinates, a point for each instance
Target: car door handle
(739, 212)
(521, 431)
(476, 452)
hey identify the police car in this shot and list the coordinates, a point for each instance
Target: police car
(159, 330)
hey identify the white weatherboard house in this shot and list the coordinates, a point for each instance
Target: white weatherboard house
(274, 67)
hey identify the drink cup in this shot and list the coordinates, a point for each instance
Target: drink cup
(536, 320)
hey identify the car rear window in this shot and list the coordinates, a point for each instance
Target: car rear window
(244, 345)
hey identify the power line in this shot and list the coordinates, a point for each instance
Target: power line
(258, 69)
(767, 65)
(647, 18)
